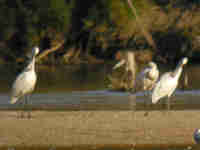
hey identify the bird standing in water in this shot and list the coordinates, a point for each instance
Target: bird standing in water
(147, 78)
(25, 82)
(146, 81)
(167, 84)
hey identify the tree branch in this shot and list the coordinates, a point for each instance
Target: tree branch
(146, 34)
(48, 51)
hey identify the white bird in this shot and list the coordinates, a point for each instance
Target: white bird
(147, 78)
(168, 83)
(25, 82)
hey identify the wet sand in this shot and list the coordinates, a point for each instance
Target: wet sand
(69, 128)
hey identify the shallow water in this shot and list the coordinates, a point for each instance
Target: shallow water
(85, 88)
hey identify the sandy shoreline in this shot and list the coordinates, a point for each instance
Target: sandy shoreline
(68, 128)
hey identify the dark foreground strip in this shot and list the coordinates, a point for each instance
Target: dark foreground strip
(94, 107)
(185, 146)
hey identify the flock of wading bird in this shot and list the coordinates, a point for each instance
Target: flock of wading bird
(148, 80)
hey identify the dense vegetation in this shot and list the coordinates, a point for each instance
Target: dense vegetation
(96, 29)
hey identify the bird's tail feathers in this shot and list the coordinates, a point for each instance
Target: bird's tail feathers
(155, 99)
(13, 100)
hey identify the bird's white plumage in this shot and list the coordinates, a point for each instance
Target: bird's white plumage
(25, 81)
(185, 61)
(36, 49)
(165, 87)
(168, 82)
(24, 84)
(198, 131)
(147, 78)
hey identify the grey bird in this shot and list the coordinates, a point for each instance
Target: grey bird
(167, 83)
(25, 82)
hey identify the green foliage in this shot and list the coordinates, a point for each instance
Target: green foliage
(98, 15)
(120, 15)
(63, 13)
(112, 19)
(24, 22)
(115, 15)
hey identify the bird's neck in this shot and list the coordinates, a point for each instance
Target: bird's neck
(154, 72)
(31, 65)
(178, 71)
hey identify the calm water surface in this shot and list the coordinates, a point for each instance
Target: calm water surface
(86, 85)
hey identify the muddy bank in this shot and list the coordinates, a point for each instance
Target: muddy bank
(70, 128)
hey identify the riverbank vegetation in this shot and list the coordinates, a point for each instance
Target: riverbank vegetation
(89, 31)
